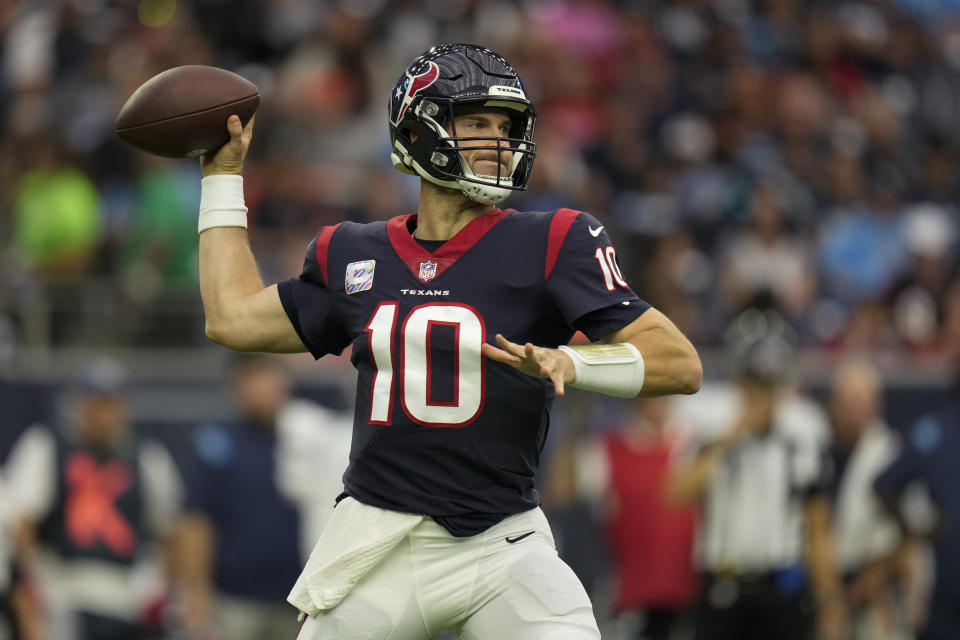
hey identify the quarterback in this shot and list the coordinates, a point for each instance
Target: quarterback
(458, 317)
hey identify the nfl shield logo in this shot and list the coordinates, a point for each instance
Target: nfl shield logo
(359, 276)
(428, 271)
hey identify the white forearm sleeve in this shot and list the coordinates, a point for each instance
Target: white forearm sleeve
(221, 202)
(613, 369)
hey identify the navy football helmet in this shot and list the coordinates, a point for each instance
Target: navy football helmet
(444, 82)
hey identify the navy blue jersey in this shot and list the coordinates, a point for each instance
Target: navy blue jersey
(439, 429)
(233, 482)
(930, 454)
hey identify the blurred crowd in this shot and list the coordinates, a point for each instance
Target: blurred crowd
(806, 151)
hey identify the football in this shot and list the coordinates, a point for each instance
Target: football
(182, 112)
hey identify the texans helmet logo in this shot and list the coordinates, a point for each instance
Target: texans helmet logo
(414, 85)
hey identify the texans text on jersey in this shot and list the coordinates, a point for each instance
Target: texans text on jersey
(425, 292)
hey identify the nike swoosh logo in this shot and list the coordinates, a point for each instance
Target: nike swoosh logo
(595, 232)
(520, 537)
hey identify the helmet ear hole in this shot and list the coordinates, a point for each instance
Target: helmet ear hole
(518, 125)
(422, 138)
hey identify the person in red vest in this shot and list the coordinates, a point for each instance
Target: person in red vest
(93, 505)
(649, 539)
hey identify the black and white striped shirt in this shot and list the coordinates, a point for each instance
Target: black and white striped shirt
(753, 507)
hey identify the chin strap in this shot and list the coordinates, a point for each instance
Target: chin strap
(487, 194)
(476, 191)
(483, 188)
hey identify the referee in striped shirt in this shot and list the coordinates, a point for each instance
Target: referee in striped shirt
(760, 473)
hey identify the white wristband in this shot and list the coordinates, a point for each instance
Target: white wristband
(613, 369)
(221, 202)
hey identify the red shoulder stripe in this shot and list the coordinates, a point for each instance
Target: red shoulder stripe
(559, 226)
(323, 246)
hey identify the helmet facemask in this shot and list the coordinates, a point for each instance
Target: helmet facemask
(436, 151)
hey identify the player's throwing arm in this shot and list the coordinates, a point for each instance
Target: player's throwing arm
(181, 113)
(240, 312)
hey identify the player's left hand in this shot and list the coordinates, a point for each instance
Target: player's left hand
(539, 362)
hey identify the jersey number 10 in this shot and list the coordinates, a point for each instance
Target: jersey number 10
(413, 373)
(608, 264)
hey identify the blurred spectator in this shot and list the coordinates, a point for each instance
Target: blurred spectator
(625, 472)
(20, 618)
(764, 543)
(57, 220)
(259, 494)
(950, 325)
(767, 257)
(918, 298)
(929, 456)
(160, 244)
(866, 536)
(863, 252)
(94, 504)
(7, 619)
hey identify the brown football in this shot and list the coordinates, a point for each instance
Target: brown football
(182, 112)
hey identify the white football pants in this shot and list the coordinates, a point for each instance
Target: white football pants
(479, 588)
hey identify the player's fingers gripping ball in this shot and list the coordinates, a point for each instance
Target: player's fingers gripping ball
(229, 158)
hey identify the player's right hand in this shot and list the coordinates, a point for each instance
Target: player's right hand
(229, 158)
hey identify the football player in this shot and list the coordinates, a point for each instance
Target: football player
(458, 317)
